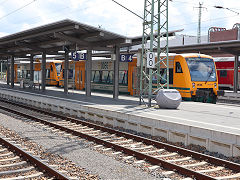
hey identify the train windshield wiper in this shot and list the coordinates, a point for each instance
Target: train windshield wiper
(209, 75)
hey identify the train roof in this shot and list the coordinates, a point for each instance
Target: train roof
(222, 59)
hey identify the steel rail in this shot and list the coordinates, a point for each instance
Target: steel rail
(138, 155)
(37, 163)
(186, 152)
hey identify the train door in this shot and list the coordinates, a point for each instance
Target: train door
(132, 77)
(15, 73)
(37, 74)
(80, 75)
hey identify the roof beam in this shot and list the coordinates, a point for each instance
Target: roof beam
(71, 39)
(113, 42)
(230, 51)
(91, 35)
(29, 46)
(37, 34)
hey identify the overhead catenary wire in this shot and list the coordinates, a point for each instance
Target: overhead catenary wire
(70, 12)
(128, 9)
(17, 9)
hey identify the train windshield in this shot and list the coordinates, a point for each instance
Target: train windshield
(201, 69)
(58, 68)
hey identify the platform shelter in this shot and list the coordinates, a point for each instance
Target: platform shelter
(67, 36)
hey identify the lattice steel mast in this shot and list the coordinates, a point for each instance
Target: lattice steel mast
(155, 19)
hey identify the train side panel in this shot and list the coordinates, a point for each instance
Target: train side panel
(181, 77)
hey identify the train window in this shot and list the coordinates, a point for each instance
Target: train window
(110, 77)
(178, 67)
(171, 76)
(47, 73)
(78, 77)
(28, 74)
(93, 76)
(223, 73)
(96, 76)
(123, 77)
(70, 73)
(163, 73)
(154, 79)
(58, 68)
(105, 76)
(51, 68)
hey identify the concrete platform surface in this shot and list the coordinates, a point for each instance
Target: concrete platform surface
(215, 126)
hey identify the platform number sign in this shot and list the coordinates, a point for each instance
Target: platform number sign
(79, 56)
(150, 60)
(126, 57)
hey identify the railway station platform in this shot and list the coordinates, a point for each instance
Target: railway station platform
(214, 126)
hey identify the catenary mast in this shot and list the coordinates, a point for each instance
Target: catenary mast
(155, 23)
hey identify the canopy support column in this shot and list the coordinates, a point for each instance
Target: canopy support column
(43, 71)
(116, 73)
(88, 72)
(31, 68)
(66, 67)
(12, 71)
(235, 84)
(8, 72)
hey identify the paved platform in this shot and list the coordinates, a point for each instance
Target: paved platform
(215, 126)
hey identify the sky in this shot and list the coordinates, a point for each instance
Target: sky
(183, 14)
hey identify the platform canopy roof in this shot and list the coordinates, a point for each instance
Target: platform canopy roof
(51, 38)
(211, 48)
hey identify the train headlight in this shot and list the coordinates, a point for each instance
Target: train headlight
(193, 85)
(215, 85)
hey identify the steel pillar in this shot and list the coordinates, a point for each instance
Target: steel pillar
(43, 83)
(154, 21)
(8, 72)
(1, 71)
(116, 73)
(235, 84)
(31, 68)
(12, 71)
(88, 72)
(66, 67)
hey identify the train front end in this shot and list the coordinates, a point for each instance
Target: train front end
(203, 75)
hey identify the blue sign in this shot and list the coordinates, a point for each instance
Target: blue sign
(126, 57)
(79, 56)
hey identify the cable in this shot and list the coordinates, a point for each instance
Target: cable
(204, 21)
(128, 9)
(17, 10)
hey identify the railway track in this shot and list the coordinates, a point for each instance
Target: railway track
(154, 154)
(16, 163)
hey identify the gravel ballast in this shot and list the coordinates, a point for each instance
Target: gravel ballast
(75, 150)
